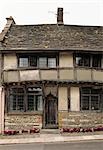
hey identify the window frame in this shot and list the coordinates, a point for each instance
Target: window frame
(90, 95)
(83, 60)
(25, 101)
(38, 56)
(35, 96)
(92, 58)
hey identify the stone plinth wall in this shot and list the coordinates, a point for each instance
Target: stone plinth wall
(80, 119)
(22, 122)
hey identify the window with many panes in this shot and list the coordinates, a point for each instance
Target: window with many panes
(83, 60)
(34, 99)
(91, 98)
(23, 62)
(97, 60)
(37, 61)
(25, 99)
(51, 62)
(89, 60)
(16, 99)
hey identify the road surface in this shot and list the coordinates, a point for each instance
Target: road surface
(84, 145)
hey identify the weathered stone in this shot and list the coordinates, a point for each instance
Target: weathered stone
(22, 122)
(79, 119)
(50, 36)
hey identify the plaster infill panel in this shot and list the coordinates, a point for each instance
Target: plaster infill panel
(83, 75)
(63, 99)
(66, 60)
(48, 74)
(11, 76)
(10, 61)
(74, 99)
(98, 76)
(29, 75)
(66, 74)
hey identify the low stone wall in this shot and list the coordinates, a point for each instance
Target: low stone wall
(22, 122)
(80, 119)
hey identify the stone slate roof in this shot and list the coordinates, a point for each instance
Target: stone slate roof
(52, 36)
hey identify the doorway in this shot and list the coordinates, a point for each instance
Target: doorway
(51, 112)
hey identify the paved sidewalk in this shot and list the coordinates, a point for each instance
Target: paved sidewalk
(49, 138)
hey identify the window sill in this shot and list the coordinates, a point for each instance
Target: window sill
(26, 113)
(91, 111)
(86, 111)
(92, 68)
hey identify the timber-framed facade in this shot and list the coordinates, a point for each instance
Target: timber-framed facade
(51, 75)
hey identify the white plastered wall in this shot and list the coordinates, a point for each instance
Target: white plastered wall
(66, 60)
(63, 99)
(10, 61)
(74, 99)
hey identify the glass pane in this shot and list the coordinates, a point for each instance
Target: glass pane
(87, 60)
(42, 62)
(39, 102)
(86, 90)
(12, 102)
(34, 90)
(23, 62)
(85, 102)
(16, 90)
(33, 61)
(13, 90)
(83, 60)
(95, 102)
(79, 60)
(31, 102)
(20, 102)
(96, 62)
(52, 62)
(95, 91)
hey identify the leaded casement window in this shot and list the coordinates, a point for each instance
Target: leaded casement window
(89, 60)
(16, 99)
(83, 60)
(91, 98)
(22, 99)
(27, 61)
(34, 99)
(51, 62)
(23, 62)
(37, 61)
(97, 61)
(42, 62)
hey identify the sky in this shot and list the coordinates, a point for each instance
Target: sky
(76, 12)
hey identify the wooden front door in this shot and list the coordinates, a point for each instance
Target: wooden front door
(51, 111)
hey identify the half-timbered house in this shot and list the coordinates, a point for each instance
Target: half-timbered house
(51, 75)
